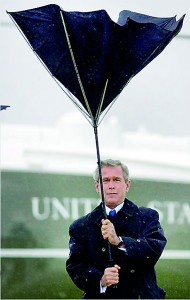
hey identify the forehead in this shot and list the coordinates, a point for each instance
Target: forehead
(115, 171)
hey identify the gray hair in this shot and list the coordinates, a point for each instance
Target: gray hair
(112, 163)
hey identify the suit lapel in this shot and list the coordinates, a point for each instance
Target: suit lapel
(125, 220)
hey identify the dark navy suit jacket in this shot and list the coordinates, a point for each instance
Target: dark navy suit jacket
(144, 241)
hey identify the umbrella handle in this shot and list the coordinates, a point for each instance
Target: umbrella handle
(111, 264)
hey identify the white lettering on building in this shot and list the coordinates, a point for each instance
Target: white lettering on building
(172, 212)
(66, 208)
(40, 211)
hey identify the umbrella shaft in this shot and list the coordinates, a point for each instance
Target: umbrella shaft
(99, 169)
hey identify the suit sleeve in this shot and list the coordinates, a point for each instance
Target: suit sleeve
(86, 277)
(148, 246)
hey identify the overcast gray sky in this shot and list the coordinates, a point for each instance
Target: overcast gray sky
(158, 98)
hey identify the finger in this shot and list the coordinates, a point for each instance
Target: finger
(107, 227)
(112, 270)
(117, 267)
(105, 222)
(112, 280)
(112, 277)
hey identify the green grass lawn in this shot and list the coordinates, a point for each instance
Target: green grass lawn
(47, 279)
(174, 276)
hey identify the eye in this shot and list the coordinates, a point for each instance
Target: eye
(117, 179)
(105, 180)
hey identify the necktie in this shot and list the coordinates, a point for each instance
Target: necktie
(112, 212)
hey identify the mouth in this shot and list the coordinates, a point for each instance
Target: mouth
(111, 194)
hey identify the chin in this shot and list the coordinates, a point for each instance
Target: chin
(111, 203)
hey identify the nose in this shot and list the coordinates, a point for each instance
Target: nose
(111, 185)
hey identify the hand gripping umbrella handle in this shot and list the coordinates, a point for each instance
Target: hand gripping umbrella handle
(111, 264)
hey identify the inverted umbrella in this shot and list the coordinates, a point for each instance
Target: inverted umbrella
(91, 57)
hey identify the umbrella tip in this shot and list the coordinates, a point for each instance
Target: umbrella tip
(4, 107)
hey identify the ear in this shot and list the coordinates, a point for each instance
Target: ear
(128, 184)
(97, 187)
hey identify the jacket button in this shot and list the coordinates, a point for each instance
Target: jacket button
(138, 240)
(103, 249)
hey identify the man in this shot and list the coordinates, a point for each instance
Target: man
(136, 240)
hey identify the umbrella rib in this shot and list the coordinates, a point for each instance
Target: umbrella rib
(75, 66)
(108, 109)
(111, 104)
(101, 102)
(69, 94)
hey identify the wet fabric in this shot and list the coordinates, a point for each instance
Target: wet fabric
(106, 54)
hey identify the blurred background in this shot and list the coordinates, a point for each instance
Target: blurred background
(48, 155)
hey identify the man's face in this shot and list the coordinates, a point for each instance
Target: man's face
(114, 185)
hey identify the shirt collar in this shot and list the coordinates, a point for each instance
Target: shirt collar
(117, 208)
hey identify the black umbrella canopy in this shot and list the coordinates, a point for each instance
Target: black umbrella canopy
(92, 56)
